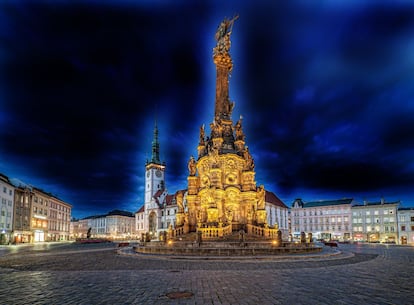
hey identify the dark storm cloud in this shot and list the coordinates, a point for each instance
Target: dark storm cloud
(325, 91)
(338, 96)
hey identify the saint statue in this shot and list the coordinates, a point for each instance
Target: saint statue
(179, 199)
(192, 166)
(261, 193)
(249, 160)
(239, 131)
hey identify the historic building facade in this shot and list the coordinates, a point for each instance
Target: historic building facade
(22, 215)
(7, 190)
(406, 226)
(58, 220)
(325, 219)
(115, 225)
(375, 221)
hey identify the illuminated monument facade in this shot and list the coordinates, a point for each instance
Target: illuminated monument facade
(222, 195)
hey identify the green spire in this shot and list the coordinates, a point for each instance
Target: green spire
(155, 157)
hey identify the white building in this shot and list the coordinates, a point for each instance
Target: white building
(277, 213)
(120, 225)
(375, 222)
(114, 225)
(406, 226)
(6, 209)
(159, 209)
(325, 219)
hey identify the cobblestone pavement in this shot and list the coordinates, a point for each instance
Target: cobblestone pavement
(99, 274)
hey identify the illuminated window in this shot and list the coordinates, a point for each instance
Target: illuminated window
(368, 213)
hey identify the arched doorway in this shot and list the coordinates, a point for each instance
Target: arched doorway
(152, 221)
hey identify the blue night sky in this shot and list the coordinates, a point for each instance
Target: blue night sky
(326, 90)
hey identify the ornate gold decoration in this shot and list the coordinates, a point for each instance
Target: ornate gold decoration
(222, 193)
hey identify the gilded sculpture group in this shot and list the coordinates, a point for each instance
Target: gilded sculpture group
(222, 191)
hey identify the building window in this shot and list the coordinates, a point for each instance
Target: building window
(412, 218)
(412, 228)
(376, 212)
(402, 228)
(4, 189)
(368, 213)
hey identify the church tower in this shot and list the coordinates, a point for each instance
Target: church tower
(154, 170)
(222, 193)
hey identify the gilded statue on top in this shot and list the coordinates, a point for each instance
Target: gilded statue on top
(223, 36)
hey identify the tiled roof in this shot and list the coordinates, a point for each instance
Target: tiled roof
(377, 203)
(169, 199)
(320, 203)
(270, 197)
(141, 209)
(158, 193)
(120, 213)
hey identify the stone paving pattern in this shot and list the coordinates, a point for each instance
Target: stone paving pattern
(97, 274)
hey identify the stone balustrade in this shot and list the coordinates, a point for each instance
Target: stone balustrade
(214, 232)
(263, 232)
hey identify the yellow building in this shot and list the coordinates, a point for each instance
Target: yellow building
(222, 195)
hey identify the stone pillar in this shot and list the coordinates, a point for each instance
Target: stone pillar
(192, 185)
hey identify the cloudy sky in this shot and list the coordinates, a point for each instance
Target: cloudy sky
(326, 90)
